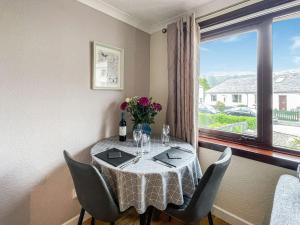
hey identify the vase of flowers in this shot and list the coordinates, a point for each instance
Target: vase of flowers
(142, 111)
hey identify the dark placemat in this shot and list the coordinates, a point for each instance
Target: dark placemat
(115, 161)
(173, 156)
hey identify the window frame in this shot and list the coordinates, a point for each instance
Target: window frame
(238, 98)
(264, 95)
(213, 98)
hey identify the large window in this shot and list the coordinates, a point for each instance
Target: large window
(286, 82)
(247, 70)
(228, 84)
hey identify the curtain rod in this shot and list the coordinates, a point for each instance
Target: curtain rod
(232, 7)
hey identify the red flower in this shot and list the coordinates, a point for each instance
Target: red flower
(144, 101)
(124, 106)
(157, 107)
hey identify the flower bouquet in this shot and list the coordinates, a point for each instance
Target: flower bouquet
(142, 111)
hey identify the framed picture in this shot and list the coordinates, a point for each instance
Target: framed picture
(108, 67)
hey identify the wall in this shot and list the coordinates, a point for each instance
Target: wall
(246, 99)
(247, 190)
(292, 101)
(158, 75)
(46, 104)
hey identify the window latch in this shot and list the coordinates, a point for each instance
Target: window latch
(247, 138)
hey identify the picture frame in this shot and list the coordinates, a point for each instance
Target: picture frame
(108, 67)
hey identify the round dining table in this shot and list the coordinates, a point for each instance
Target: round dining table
(144, 182)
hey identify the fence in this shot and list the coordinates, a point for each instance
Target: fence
(286, 115)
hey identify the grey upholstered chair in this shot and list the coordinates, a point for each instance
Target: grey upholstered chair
(92, 192)
(199, 206)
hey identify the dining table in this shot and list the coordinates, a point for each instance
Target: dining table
(143, 181)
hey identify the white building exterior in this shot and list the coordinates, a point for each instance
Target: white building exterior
(249, 100)
(242, 92)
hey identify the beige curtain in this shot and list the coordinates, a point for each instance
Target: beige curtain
(183, 40)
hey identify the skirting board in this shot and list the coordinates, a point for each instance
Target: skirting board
(74, 220)
(228, 217)
(217, 211)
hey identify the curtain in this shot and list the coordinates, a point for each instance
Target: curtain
(183, 38)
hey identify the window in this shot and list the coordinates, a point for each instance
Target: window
(286, 83)
(213, 98)
(228, 66)
(238, 98)
(251, 67)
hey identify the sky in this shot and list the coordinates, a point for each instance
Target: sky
(237, 54)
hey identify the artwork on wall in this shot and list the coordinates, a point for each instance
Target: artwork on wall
(108, 67)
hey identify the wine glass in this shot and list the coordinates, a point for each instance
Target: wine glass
(137, 135)
(166, 129)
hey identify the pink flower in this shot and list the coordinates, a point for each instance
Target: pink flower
(157, 107)
(124, 106)
(144, 101)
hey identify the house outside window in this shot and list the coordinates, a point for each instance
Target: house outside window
(237, 98)
(254, 75)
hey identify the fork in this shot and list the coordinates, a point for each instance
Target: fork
(134, 161)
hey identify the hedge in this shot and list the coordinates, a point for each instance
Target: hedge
(221, 119)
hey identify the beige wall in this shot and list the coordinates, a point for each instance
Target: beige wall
(247, 189)
(46, 104)
(159, 75)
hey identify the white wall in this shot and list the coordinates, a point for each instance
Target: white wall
(46, 104)
(246, 99)
(293, 101)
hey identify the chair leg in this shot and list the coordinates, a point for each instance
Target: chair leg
(93, 221)
(81, 216)
(112, 223)
(170, 218)
(143, 219)
(210, 219)
(149, 217)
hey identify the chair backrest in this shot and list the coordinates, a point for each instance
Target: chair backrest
(92, 191)
(205, 193)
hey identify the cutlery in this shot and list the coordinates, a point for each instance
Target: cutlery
(182, 149)
(164, 164)
(134, 161)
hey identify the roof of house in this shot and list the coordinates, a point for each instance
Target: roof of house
(282, 83)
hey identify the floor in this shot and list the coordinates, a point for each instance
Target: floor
(131, 218)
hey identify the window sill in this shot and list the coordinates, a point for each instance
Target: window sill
(259, 154)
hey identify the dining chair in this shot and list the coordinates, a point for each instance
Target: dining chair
(92, 192)
(199, 206)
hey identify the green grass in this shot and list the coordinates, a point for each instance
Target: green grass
(215, 121)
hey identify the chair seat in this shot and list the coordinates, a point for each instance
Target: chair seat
(199, 206)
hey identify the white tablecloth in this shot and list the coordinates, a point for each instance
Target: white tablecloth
(147, 182)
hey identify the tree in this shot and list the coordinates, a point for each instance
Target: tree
(204, 84)
(220, 106)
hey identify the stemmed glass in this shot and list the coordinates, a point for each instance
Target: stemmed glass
(165, 134)
(137, 136)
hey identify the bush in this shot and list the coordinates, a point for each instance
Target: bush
(220, 119)
(220, 106)
(294, 143)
